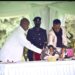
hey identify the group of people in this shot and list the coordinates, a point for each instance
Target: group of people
(34, 40)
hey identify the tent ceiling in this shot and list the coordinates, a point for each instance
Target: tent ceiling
(67, 7)
(28, 2)
(61, 6)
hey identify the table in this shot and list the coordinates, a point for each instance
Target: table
(38, 68)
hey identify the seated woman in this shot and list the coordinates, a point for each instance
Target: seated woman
(49, 52)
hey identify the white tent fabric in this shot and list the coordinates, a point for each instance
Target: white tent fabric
(47, 10)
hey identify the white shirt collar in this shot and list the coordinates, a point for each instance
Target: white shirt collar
(22, 30)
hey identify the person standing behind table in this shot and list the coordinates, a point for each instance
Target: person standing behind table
(12, 51)
(38, 37)
(57, 35)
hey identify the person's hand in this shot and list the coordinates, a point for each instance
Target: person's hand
(42, 54)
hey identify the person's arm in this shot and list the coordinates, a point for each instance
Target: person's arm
(45, 37)
(27, 44)
(50, 39)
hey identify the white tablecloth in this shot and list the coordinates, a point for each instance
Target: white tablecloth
(39, 68)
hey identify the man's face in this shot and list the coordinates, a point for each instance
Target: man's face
(37, 23)
(25, 25)
(56, 27)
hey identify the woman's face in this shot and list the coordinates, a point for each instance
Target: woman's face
(51, 49)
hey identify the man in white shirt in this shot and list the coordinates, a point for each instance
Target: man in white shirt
(12, 50)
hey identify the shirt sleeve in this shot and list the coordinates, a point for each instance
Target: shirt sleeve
(28, 44)
(50, 39)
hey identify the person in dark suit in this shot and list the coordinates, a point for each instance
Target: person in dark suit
(38, 37)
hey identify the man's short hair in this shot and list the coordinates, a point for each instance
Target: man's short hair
(56, 21)
(37, 18)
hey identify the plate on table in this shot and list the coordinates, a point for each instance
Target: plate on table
(67, 59)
